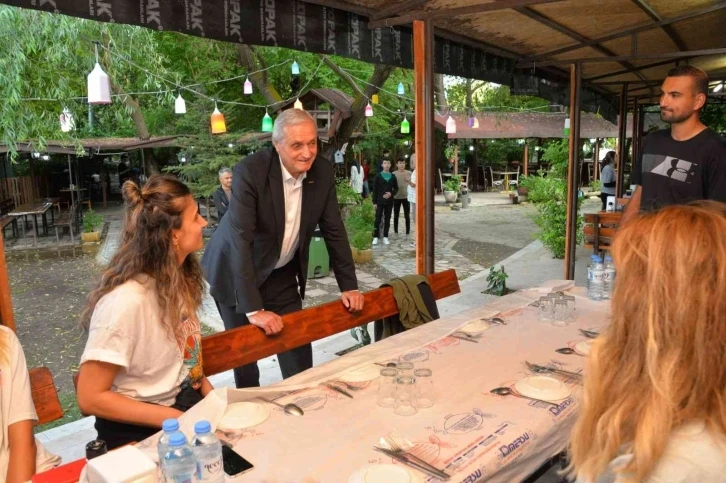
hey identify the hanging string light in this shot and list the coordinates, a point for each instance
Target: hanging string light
(248, 87)
(180, 105)
(566, 130)
(99, 88)
(295, 68)
(405, 126)
(66, 121)
(470, 122)
(476, 123)
(298, 104)
(450, 125)
(369, 110)
(217, 120)
(401, 89)
(267, 123)
(374, 98)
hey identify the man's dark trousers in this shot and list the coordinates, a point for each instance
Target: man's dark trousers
(280, 294)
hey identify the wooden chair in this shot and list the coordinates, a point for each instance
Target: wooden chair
(243, 345)
(515, 180)
(600, 230)
(68, 219)
(45, 396)
(496, 183)
(441, 181)
(465, 179)
(6, 206)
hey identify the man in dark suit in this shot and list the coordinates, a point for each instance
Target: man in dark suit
(256, 262)
(224, 192)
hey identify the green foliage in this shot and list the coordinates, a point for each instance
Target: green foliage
(453, 184)
(497, 281)
(345, 193)
(549, 192)
(91, 220)
(359, 225)
(596, 185)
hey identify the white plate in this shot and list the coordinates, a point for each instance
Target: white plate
(385, 473)
(362, 374)
(542, 387)
(583, 347)
(475, 327)
(244, 415)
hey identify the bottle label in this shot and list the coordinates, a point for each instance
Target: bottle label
(210, 469)
(609, 275)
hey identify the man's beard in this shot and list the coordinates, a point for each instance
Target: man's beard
(671, 118)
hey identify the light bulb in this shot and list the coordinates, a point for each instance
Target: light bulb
(218, 124)
(369, 110)
(248, 87)
(450, 125)
(295, 68)
(567, 127)
(374, 98)
(401, 89)
(405, 127)
(471, 148)
(476, 123)
(99, 89)
(298, 104)
(180, 106)
(470, 122)
(67, 124)
(267, 123)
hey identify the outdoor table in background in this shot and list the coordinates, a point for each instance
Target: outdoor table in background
(470, 433)
(506, 175)
(35, 208)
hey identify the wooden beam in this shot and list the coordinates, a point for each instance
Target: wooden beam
(456, 11)
(573, 171)
(628, 71)
(622, 143)
(423, 62)
(6, 302)
(596, 160)
(243, 345)
(670, 32)
(397, 8)
(644, 56)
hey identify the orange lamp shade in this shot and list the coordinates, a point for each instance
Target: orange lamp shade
(218, 124)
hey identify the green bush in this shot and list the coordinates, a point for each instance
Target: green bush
(497, 281)
(359, 225)
(91, 220)
(453, 184)
(345, 193)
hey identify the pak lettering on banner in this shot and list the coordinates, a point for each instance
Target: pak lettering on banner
(354, 37)
(376, 52)
(195, 12)
(330, 44)
(99, 9)
(43, 3)
(233, 26)
(397, 46)
(269, 19)
(299, 34)
(151, 13)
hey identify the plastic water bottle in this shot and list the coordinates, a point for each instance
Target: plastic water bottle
(608, 278)
(179, 464)
(170, 426)
(595, 272)
(208, 451)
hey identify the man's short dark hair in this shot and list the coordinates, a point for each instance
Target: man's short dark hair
(700, 78)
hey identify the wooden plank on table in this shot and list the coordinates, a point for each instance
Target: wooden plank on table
(243, 345)
(45, 396)
(604, 232)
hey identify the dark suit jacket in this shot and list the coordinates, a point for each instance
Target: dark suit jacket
(246, 246)
(221, 202)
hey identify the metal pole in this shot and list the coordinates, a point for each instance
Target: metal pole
(622, 129)
(636, 137)
(423, 60)
(70, 179)
(596, 160)
(573, 171)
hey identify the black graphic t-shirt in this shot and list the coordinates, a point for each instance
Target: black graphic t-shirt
(674, 172)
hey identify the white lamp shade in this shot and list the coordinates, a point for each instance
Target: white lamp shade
(450, 125)
(99, 89)
(248, 87)
(67, 124)
(476, 123)
(180, 106)
(369, 110)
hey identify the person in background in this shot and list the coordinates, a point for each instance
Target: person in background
(224, 192)
(607, 178)
(400, 199)
(386, 157)
(385, 187)
(143, 359)
(366, 173)
(356, 177)
(411, 192)
(655, 384)
(686, 162)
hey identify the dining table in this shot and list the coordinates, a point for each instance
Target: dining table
(505, 175)
(469, 433)
(34, 209)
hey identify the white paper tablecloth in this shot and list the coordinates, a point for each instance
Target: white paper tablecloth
(472, 434)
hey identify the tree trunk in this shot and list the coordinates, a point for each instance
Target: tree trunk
(440, 92)
(249, 59)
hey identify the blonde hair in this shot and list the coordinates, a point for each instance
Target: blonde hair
(662, 360)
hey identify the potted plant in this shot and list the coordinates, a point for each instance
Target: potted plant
(91, 221)
(359, 225)
(452, 187)
(522, 193)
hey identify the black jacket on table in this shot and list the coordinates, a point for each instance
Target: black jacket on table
(381, 186)
(246, 246)
(221, 202)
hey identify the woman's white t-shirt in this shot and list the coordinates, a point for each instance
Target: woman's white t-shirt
(411, 193)
(127, 330)
(356, 178)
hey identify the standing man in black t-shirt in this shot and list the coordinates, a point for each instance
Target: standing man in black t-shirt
(686, 162)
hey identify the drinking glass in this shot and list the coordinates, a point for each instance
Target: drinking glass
(424, 388)
(405, 368)
(404, 396)
(546, 307)
(560, 313)
(386, 396)
(571, 314)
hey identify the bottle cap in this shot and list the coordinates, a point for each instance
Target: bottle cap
(608, 258)
(202, 427)
(96, 448)
(177, 439)
(170, 425)
(595, 258)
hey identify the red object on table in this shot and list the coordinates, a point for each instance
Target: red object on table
(68, 473)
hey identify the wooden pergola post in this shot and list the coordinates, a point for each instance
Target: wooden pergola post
(573, 171)
(526, 158)
(622, 142)
(423, 62)
(6, 302)
(596, 160)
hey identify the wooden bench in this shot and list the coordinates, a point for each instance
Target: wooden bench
(45, 396)
(6, 206)
(233, 348)
(599, 230)
(68, 219)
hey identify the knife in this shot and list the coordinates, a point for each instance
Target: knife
(337, 389)
(461, 337)
(406, 460)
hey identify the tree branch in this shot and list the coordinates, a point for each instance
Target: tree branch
(341, 73)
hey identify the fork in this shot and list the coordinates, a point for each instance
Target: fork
(590, 334)
(397, 449)
(347, 386)
(544, 369)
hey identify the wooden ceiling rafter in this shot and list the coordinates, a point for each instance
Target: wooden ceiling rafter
(668, 29)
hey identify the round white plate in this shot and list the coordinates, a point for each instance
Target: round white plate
(542, 387)
(475, 327)
(385, 473)
(362, 374)
(244, 415)
(583, 347)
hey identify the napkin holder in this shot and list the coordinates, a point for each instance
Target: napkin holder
(124, 465)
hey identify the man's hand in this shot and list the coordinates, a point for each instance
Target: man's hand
(270, 322)
(386, 195)
(353, 300)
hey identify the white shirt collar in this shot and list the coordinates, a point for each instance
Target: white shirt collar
(286, 176)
